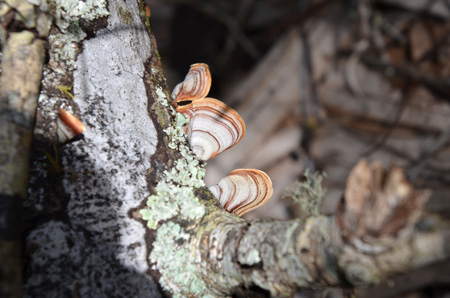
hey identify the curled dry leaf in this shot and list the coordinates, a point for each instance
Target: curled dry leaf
(68, 126)
(379, 203)
(196, 84)
(213, 127)
(243, 190)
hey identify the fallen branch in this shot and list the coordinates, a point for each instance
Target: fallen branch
(377, 234)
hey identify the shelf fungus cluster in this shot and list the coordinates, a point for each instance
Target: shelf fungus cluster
(212, 128)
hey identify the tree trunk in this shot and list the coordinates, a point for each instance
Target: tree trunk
(86, 235)
(82, 239)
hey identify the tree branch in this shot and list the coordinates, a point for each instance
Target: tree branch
(22, 61)
(325, 251)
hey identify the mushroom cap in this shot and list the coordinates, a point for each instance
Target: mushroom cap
(68, 126)
(213, 127)
(243, 190)
(196, 84)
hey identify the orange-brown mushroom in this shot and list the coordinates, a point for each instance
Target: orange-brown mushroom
(243, 190)
(196, 84)
(68, 126)
(213, 127)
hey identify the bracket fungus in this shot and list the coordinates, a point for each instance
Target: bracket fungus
(196, 84)
(212, 128)
(68, 126)
(243, 190)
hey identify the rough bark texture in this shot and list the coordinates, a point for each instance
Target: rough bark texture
(86, 238)
(81, 238)
(375, 236)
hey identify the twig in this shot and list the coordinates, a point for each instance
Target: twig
(230, 43)
(228, 21)
(440, 143)
(350, 69)
(308, 87)
(438, 174)
(391, 126)
(440, 86)
(364, 16)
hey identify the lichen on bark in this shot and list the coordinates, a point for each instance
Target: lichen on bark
(89, 204)
(175, 200)
(68, 14)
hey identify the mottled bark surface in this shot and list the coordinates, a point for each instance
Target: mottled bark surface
(376, 235)
(81, 239)
(85, 236)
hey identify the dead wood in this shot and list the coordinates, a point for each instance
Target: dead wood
(85, 235)
(378, 232)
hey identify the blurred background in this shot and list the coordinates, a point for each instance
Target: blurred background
(320, 85)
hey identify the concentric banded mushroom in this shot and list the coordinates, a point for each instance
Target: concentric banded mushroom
(68, 126)
(243, 190)
(196, 84)
(213, 127)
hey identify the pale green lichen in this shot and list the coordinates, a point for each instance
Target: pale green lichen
(170, 253)
(181, 120)
(309, 193)
(176, 133)
(174, 194)
(162, 98)
(69, 10)
(250, 258)
(174, 197)
(67, 15)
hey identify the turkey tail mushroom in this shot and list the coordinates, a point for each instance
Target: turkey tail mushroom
(196, 84)
(243, 190)
(213, 127)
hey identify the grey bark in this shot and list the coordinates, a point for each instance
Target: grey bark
(81, 239)
(84, 237)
